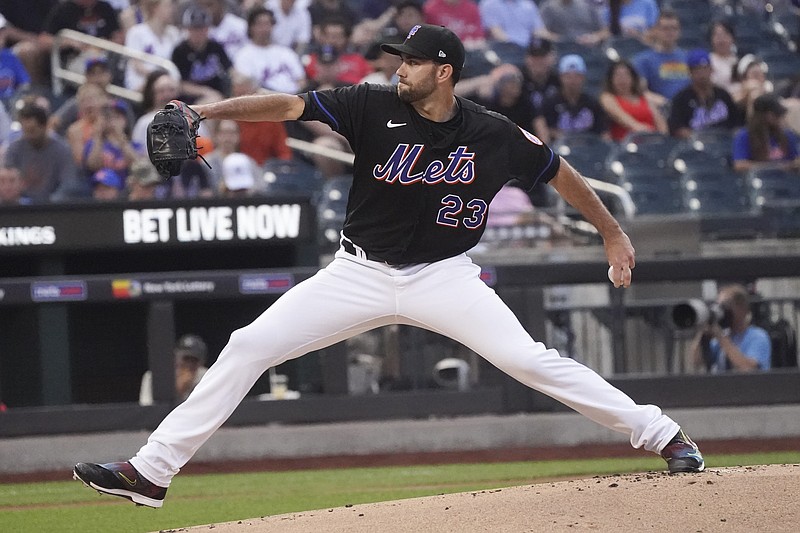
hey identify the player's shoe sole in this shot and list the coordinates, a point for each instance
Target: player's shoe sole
(683, 455)
(120, 479)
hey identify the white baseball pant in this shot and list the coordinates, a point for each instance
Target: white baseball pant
(353, 295)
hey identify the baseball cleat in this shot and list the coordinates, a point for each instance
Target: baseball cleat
(120, 479)
(682, 454)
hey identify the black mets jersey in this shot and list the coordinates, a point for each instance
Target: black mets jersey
(421, 189)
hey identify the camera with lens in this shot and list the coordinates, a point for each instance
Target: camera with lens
(696, 313)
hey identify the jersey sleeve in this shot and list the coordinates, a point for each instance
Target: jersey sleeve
(340, 108)
(532, 161)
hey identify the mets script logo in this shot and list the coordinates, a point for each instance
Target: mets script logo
(413, 30)
(459, 168)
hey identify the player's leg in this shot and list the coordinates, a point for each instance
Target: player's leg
(344, 299)
(449, 298)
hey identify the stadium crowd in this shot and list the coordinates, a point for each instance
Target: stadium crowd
(668, 77)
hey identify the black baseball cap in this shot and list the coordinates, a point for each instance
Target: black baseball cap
(427, 41)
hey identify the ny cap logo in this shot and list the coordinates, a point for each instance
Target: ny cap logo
(442, 54)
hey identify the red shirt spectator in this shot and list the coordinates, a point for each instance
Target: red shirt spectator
(461, 16)
(263, 140)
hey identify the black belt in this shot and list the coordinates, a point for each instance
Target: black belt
(350, 248)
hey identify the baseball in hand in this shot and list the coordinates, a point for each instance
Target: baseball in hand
(611, 274)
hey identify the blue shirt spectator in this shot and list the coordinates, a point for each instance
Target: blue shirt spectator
(664, 66)
(515, 21)
(766, 139)
(753, 342)
(13, 75)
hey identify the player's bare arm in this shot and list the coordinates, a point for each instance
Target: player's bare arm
(255, 108)
(577, 192)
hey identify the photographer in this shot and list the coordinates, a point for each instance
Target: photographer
(730, 342)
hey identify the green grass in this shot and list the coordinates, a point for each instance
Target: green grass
(66, 506)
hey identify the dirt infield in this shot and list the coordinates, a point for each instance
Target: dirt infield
(753, 498)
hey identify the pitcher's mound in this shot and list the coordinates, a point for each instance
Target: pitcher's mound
(752, 498)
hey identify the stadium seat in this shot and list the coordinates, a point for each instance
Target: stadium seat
(654, 190)
(709, 192)
(717, 141)
(687, 157)
(624, 165)
(774, 184)
(331, 211)
(586, 152)
(291, 177)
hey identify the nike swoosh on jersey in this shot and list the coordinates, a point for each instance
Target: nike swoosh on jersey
(391, 124)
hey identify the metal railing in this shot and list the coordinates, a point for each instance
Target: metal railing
(61, 74)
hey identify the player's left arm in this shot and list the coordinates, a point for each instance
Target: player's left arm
(580, 195)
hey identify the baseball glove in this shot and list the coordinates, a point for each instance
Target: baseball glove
(172, 138)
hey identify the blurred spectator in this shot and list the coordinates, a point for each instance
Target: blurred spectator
(292, 24)
(701, 105)
(275, 67)
(462, 17)
(238, 179)
(98, 72)
(326, 72)
(193, 181)
(626, 104)
(156, 35)
(322, 10)
(25, 22)
(131, 15)
(573, 21)
(571, 110)
(5, 128)
(631, 18)
(226, 142)
(328, 166)
(107, 185)
(228, 29)
(92, 17)
(334, 34)
(143, 181)
(92, 101)
(202, 62)
(110, 146)
(723, 54)
(510, 207)
(514, 21)
(541, 77)
(11, 187)
(394, 22)
(508, 97)
(261, 140)
(159, 88)
(664, 66)
(749, 82)
(190, 353)
(13, 76)
(765, 139)
(44, 159)
(409, 14)
(385, 65)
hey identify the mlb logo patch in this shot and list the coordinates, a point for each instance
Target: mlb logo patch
(412, 31)
(530, 136)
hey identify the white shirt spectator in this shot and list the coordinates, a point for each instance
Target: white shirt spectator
(142, 38)
(231, 33)
(292, 28)
(274, 67)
